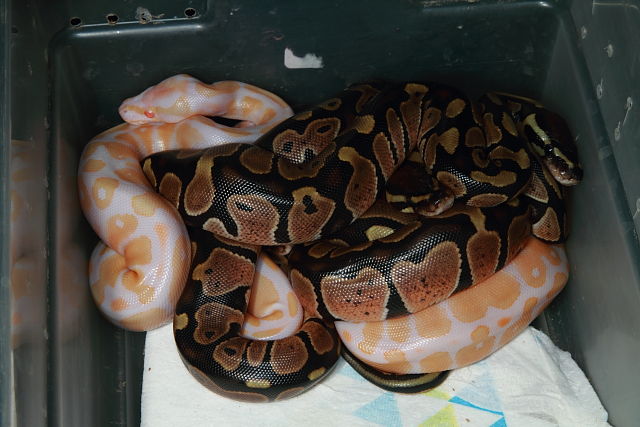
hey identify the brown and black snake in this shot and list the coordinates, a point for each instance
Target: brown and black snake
(480, 183)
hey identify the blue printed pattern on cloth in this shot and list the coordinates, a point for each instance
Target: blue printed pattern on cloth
(476, 404)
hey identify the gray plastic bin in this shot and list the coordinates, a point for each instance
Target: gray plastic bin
(68, 64)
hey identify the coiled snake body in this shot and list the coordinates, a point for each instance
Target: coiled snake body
(320, 172)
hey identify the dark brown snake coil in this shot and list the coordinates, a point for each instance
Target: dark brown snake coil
(314, 179)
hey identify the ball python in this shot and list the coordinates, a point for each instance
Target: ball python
(307, 178)
(140, 266)
(468, 326)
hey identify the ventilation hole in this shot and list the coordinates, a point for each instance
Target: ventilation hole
(190, 12)
(112, 18)
(75, 21)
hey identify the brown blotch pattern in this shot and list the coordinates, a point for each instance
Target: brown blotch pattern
(509, 125)
(362, 189)
(171, 188)
(198, 196)
(429, 281)
(256, 352)
(320, 338)
(474, 137)
(483, 251)
(309, 169)
(518, 233)
(449, 140)
(396, 133)
(548, 227)
(455, 107)
(309, 213)
(429, 151)
(305, 292)
(255, 217)
(492, 132)
(384, 155)
(363, 124)
(411, 108)
(537, 190)
(487, 200)
(430, 118)
(257, 160)
(288, 355)
(223, 271)
(229, 353)
(315, 138)
(360, 299)
(214, 320)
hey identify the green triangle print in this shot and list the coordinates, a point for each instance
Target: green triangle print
(383, 411)
(446, 417)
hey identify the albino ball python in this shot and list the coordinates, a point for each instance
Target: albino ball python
(139, 268)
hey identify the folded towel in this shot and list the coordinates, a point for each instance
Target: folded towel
(529, 382)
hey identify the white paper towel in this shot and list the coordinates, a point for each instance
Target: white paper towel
(529, 382)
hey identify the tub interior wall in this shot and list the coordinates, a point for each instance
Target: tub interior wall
(74, 368)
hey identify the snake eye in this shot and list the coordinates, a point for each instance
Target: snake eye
(150, 114)
(549, 150)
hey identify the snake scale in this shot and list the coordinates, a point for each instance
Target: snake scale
(486, 171)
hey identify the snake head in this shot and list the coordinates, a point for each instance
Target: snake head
(412, 190)
(566, 172)
(551, 139)
(165, 102)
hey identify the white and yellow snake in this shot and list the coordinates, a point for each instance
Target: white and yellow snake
(140, 266)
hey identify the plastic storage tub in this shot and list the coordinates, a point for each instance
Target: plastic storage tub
(66, 67)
